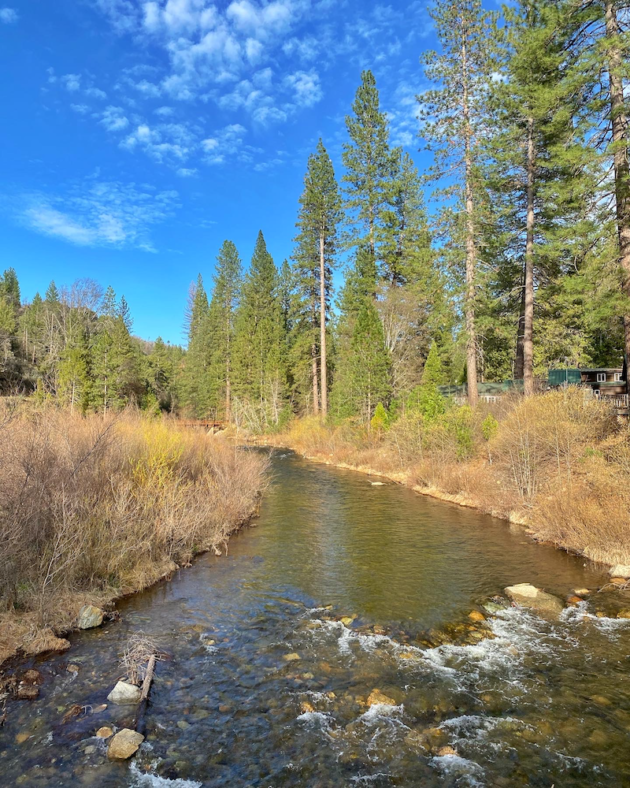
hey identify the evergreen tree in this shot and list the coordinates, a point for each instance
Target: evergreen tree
(368, 164)
(223, 306)
(259, 359)
(196, 384)
(454, 124)
(363, 378)
(316, 246)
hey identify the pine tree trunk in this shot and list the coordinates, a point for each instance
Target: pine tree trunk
(528, 323)
(322, 327)
(314, 375)
(518, 359)
(622, 173)
(471, 250)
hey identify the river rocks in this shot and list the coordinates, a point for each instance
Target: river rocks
(623, 614)
(90, 617)
(475, 615)
(377, 697)
(618, 581)
(22, 737)
(620, 570)
(529, 596)
(601, 700)
(124, 744)
(306, 707)
(581, 591)
(32, 676)
(293, 657)
(347, 620)
(27, 692)
(104, 733)
(574, 599)
(124, 694)
(442, 752)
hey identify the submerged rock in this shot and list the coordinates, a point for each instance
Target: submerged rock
(105, 732)
(475, 615)
(376, 696)
(581, 591)
(620, 570)
(90, 617)
(124, 694)
(529, 596)
(291, 657)
(124, 744)
(27, 692)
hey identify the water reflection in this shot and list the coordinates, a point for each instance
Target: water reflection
(265, 686)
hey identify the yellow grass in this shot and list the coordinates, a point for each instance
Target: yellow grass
(95, 507)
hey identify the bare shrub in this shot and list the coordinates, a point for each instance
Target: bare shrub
(105, 504)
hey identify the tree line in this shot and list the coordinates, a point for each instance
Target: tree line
(523, 264)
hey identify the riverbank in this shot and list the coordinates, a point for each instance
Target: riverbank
(95, 508)
(556, 464)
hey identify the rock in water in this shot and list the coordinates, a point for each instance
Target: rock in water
(90, 617)
(105, 732)
(125, 694)
(529, 596)
(620, 570)
(376, 696)
(124, 744)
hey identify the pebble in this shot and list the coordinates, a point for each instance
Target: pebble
(72, 668)
(27, 692)
(475, 615)
(376, 696)
(306, 707)
(581, 591)
(22, 737)
(104, 732)
(444, 751)
(291, 657)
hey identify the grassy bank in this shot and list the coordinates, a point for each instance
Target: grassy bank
(93, 508)
(556, 463)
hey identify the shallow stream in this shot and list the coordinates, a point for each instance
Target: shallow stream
(265, 685)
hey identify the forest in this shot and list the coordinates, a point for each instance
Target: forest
(510, 255)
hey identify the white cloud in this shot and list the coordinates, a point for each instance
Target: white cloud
(72, 82)
(147, 88)
(186, 172)
(96, 93)
(226, 142)
(164, 142)
(104, 214)
(82, 109)
(114, 119)
(8, 16)
(305, 86)
(164, 112)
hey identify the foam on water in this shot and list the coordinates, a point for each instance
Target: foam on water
(578, 614)
(148, 780)
(467, 773)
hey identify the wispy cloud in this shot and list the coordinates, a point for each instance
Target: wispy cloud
(100, 214)
(8, 16)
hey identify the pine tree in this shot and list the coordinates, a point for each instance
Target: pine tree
(196, 394)
(316, 246)
(363, 378)
(368, 164)
(223, 306)
(454, 119)
(259, 361)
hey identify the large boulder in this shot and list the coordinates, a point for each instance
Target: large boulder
(125, 694)
(620, 570)
(124, 744)
(527, 595)
(90, 617)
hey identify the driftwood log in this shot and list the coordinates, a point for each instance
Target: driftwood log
(139, 724)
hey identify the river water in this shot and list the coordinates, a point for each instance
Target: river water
(264, 685)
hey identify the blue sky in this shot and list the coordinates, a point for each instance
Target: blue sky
(139, 134)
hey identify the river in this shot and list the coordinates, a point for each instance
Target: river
(264, 685)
